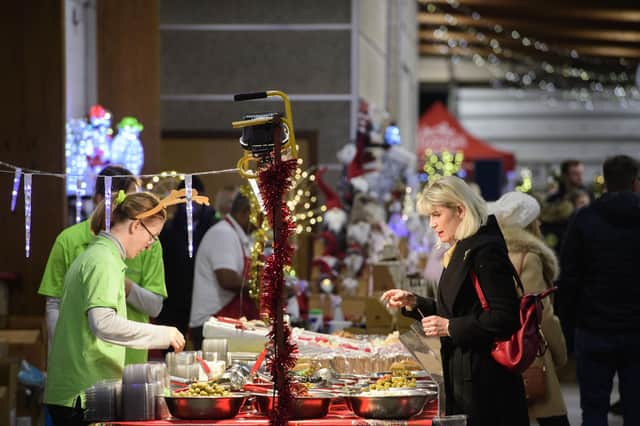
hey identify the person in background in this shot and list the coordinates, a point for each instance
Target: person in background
(221, 270)
(571, 173)
(579, 198)
(557, 209)
(92, 329)
(599, 293)
(535, 262)
(557, 212)
(178, 266)
(224, 200)
(475, 384)
(144, 280)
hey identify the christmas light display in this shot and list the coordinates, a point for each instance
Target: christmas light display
(97, 136)
(76, 155)
(441, 164)
(260, 237)
(306, 212)
(126, 149)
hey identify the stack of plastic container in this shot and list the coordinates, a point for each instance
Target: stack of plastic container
(184, 366)
(103, 401)
(215, 350)
(139, 387)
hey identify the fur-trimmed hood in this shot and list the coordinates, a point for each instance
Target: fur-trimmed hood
(519, 240)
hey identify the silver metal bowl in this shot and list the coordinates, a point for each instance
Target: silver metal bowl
(314, 406)
(398, 405)
(205, 407)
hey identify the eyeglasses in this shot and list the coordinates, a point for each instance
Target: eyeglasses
(154, 238)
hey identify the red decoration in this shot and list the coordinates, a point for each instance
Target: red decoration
(274, 182)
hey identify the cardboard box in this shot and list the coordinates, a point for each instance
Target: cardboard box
(353, 308)
(387, 275)
(377, 315)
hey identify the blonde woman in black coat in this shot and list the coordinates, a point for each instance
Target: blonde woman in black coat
(475, 384)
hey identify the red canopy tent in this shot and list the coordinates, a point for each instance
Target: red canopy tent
(439, 131)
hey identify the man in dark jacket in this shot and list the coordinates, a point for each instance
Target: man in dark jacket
(178, 266)
(600, 293)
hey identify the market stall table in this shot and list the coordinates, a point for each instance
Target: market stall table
(338, 416)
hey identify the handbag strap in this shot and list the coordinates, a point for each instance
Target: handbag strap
(480, 293)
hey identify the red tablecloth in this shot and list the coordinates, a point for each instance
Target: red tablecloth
(338, 416)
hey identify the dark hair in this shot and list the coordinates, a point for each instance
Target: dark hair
(567, 164)
(117, 183)
(619, 173)
(133, 204)
(240, 204)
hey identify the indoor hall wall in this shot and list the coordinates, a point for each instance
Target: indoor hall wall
(80, 56)
(372, 51)
(214, 49)
(542, 134)
(402, 87)
(31, 135)
(128, 68)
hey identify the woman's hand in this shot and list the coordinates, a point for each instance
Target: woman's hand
(435, 326)
(399, 299)
(177, 339)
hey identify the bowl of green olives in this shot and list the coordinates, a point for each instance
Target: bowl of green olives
(205, 400)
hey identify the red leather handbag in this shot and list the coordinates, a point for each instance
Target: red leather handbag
(518, 352)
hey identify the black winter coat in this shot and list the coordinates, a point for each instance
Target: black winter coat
(475, 384)
(598, 286)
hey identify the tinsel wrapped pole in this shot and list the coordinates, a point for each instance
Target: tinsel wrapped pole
(274, 182)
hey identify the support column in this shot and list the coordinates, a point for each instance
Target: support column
(31, 135)
(128, 45)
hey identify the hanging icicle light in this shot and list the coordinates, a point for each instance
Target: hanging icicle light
(16, 188)
(27, 213)
(107, 203)
(78, 191)
(188, 193)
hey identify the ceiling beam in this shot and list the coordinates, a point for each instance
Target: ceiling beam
(589, 49)
(534, 28)
(552, 9)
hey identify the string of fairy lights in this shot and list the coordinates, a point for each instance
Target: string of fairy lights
(306, 214)
(522, 70)
(26, 175)
(302, 201)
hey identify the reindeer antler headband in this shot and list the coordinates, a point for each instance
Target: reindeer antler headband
(174, 197)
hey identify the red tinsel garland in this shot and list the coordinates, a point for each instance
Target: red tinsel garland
(274, 182)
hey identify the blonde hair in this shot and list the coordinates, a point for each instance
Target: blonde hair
(133, 204)
(451, 192)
